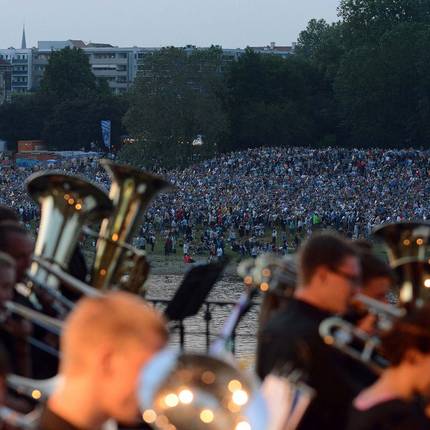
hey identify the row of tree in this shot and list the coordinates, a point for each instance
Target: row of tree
(362, 81)
(67, 109)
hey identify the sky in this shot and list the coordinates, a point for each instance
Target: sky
(155, 23)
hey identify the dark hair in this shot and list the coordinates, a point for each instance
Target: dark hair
(363, 245)
(410, 332)
(373, 267)
(8, 214)
(323, 249)
(4, 362)
(9, 227)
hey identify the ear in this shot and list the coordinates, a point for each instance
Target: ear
(321, 273)
(107, 361)
(413, 356)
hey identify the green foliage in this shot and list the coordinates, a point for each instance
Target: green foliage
(23, 119)
(67, 111)
(384, 90)
(75, 123)
(68, 75)
(275, 101)
(176, 97)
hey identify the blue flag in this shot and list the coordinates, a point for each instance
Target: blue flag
(106, 127)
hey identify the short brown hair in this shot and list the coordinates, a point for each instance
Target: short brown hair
(323, 249)
(373, 267)
(7, 227)
(8, 214)
(410, 332)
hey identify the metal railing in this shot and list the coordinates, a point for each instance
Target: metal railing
(209, 314)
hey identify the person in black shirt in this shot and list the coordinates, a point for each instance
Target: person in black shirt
(395, 400)
(104, 345)
(329, 274)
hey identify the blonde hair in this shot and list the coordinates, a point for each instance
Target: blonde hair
(115, 319)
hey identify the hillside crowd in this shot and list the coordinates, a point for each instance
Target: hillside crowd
(266, 199)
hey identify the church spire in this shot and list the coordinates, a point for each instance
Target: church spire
(23, 41)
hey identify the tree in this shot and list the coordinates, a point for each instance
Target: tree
(75, 123)
(175, 98)
(24, 117)
(68, 75)
(274, 101)
(367, 20)
(383, 90)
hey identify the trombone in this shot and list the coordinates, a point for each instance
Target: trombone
(357, 343)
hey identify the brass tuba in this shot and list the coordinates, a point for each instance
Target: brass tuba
(408, 248)
(67, 203)
(131, 192)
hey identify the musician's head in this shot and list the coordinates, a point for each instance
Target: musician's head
(377, 276)
(105, 343)
(329, 272)
(17, 242)
(407, 347)
(7, 277)
(8, 214)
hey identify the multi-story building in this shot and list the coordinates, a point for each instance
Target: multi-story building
(5, 80)
(118, 66)
(20, 61)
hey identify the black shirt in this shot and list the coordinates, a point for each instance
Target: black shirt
(51, 421)
(292, 337)
(394, 414)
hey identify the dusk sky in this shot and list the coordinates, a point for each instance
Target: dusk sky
(230, 23)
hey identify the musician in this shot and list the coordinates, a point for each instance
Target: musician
(13, 332)
(329, 274)
(394, 401)
(377, 280)
(377, 275)
(16, 241)
(8, 214)
(105, 343)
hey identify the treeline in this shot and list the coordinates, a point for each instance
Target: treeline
(363, 81)
(67, 109)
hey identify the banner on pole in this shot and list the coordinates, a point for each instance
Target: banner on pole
(106, 130)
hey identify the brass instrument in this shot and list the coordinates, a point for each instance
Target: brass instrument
(339, 333)
(357, 343)
(48, 323)
(405, 240)
(195, 391)
(66, 204)
(270, 273)
(407, 245)
(210, 391)
(20, 421)
(131, 193)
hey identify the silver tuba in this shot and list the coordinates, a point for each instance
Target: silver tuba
(131, 192)
(67, 203)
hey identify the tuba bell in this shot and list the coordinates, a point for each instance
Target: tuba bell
(408, 249)
(131, 192)
(67, 203)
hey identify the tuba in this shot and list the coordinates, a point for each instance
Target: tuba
(408, 248)
(131, 192)
(67, 203)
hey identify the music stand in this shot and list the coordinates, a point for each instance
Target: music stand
(191, 294)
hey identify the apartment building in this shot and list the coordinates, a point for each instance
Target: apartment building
(21, 70)
(20, 64)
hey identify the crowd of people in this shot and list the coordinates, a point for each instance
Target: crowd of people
(107, 341)
(266, 199)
